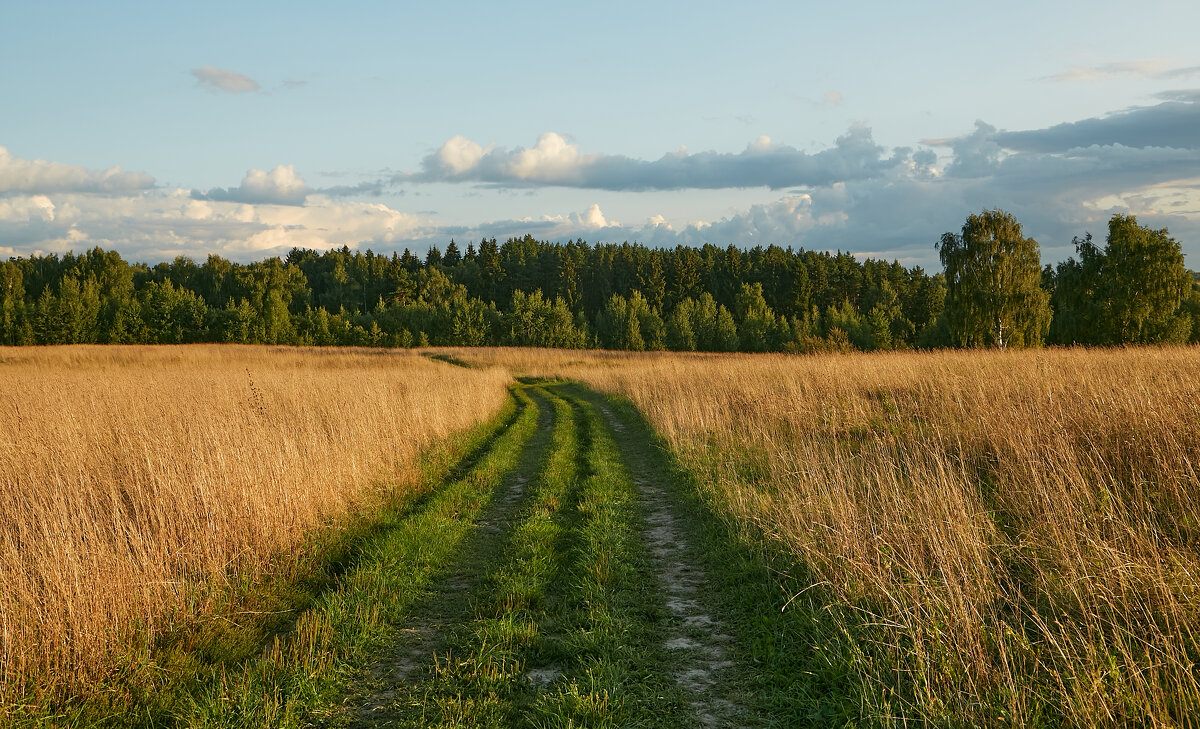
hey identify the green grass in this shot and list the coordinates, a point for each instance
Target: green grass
(565, 613)
(477, 677)
(616, 672)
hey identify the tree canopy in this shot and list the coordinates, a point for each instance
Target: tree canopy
(535, 293)
(994, 295)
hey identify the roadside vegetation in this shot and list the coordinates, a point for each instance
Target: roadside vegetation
(978, 538)
(142, 489)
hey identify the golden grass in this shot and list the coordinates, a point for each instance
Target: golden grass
(1012, 537)
(133, 477)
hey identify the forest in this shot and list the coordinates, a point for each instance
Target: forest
(526, 292)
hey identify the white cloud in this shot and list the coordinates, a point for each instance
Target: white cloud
(459, 154)
(592, 218)
(39, 176)
(160, 225)
(221, 79)
(555, 161)
(280, 186)
(24, 209)
(552, 158)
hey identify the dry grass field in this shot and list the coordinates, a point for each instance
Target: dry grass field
(135, 479)
(1003, 538)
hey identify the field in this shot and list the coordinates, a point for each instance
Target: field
(954, 538)
(989, 537)
(135, 481)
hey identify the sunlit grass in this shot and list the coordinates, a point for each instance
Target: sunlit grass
(1006, 537)
(135, 482)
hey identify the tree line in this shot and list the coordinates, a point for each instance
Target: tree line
(526, 292)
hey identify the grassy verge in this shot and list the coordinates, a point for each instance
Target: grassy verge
(283, 652)
(792, 664)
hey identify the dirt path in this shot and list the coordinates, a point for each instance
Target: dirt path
(577, 600)
(696, 638)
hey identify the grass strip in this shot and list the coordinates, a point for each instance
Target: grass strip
(564, 629)
(616, 672)
(481, 679)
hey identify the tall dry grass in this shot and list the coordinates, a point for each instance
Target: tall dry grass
(131, 477)
(1013, 538)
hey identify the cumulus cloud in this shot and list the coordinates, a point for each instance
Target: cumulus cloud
(1058, 190)
(280, 186)
(556, 161)
(592, 218)
(39, 176)
(220, 79)
(34, 207)
(161, 224)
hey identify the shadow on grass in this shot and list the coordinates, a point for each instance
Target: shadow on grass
(796, 660)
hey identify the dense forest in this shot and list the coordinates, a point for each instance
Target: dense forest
(533, 293)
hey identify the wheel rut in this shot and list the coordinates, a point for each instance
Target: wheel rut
(697, 640)
(450, 600)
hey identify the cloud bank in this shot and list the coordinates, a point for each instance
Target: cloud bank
(1174, 124)
(1060, 181)
(555, 161)
(161, 224)
(39, 176)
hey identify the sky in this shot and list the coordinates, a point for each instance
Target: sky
(167, 129)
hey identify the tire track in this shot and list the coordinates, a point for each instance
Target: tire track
(449, 603)
(695, 637)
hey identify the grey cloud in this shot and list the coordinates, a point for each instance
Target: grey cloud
(373, 188)
(1179, 95)
(221, 79)
(1169, 124)
(1175, 73)
(553, 161)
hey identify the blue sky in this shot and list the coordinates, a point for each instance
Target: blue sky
(870, 127)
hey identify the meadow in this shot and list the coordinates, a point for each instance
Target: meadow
(955, 538)
(137, 484)
(995, 538)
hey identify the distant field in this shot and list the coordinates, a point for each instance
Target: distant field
(132, 479)
(990, 538)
